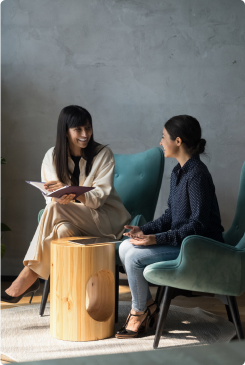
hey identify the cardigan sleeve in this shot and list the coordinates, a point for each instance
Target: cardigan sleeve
(48, 172)
(201, 193)
(103, 183)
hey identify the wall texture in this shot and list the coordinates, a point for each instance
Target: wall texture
(133, 64)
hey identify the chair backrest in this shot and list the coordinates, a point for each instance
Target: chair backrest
(138, 180)
(235, 236)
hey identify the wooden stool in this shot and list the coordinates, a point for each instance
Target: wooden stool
(82, 290)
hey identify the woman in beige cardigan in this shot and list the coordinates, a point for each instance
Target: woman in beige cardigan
(76, 159)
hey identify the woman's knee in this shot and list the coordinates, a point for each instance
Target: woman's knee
(133, 258)
(67, 230)
(124, 247)
(127, 253)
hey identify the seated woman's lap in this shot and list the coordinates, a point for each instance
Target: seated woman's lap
(76, 216)
(146, 255)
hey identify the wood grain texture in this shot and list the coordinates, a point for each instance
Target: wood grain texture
(82, 290)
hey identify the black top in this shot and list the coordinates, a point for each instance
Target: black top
(76, 172)
(192, 206)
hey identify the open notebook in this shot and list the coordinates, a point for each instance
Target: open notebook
(78, 190)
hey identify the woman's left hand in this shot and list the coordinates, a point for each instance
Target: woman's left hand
(145, 240)
(53, 185)
(65, 199)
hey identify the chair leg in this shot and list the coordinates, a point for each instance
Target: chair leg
(164, 307)
(116, 292)
(235, 316)
(46, 290)
(228, 313)
(159, 294)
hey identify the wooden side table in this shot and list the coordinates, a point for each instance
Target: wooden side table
(82, 290)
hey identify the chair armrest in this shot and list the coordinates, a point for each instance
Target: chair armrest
(203, 265)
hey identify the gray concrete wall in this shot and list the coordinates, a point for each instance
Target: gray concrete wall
(133, 64)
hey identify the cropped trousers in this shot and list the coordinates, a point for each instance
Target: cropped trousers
(134, 260)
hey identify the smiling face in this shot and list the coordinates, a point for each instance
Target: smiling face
(78, 138)
(170, 147)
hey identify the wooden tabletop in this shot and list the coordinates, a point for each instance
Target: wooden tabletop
(65, 242)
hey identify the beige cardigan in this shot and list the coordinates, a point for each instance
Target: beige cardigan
(108, 211)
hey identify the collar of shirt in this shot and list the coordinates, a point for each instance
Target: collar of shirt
(76, 159)
(192, 162)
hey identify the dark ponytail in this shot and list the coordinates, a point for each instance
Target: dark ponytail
(200, 148)
(189, 130)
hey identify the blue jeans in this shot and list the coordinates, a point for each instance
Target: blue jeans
(134, 260)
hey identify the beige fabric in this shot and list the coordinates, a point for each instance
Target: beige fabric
(103, 213)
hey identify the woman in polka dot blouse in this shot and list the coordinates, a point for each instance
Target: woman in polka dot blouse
(192, 210)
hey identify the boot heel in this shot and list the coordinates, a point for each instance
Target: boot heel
(146, 325)
(153, 321)
(31, 297)
(154, 316)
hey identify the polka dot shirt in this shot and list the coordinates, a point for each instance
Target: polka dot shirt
(192, 206)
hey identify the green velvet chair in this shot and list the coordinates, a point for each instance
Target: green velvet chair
(207, 266)
(137, 180)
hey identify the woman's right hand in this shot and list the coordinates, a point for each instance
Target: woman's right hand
(65, 199)
(135, 231)
(53, 185)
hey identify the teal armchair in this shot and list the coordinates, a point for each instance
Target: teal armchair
(207, 266)
(137, 180)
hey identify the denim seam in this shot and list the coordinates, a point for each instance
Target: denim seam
(137, 289)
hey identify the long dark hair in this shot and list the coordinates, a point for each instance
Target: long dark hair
(189, 130)
(71, 116)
